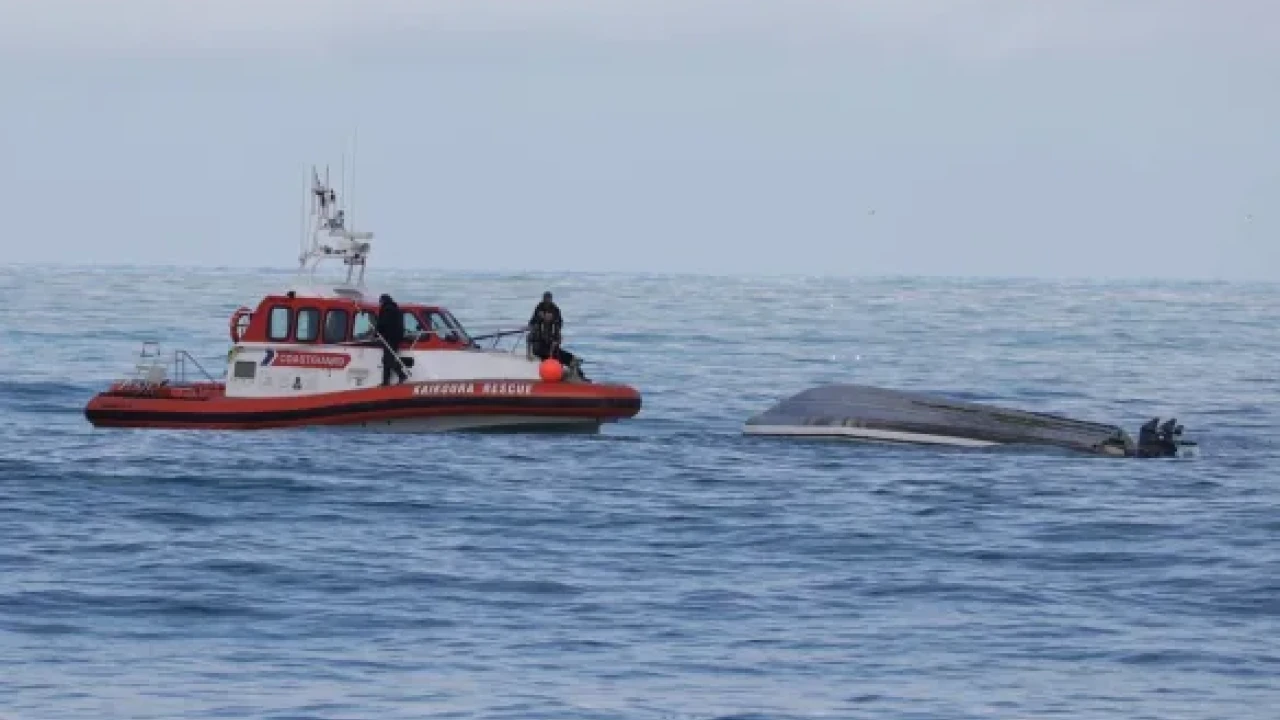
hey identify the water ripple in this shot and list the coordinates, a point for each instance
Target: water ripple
(670, 568)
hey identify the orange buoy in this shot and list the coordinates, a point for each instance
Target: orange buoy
(551, 371)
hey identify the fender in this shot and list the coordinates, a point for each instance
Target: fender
(240, 317)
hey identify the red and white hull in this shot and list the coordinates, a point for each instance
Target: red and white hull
(314, 356)
(409, 408)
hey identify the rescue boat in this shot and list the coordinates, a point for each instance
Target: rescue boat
(311, 356)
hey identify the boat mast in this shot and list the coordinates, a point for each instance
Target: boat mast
(330, 238)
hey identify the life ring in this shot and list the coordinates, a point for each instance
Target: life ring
(241, 314)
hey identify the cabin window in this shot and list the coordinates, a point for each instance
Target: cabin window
(457, 326)
(278, 323)
(363, 329)
(335, 326)
(411, 324)
(440, 327)
(308, 325)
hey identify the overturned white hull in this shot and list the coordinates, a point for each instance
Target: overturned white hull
(867, 435)
(870, 414)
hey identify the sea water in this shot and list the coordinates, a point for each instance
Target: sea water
(669, 567)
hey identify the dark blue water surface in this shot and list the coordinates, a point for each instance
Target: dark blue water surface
(668, 568)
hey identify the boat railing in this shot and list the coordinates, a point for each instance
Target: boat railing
(152, 368)
(491, 342)
(418, 336)
(494, 341)
(180, 360)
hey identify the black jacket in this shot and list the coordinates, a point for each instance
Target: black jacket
(391, 323)
(544, 338)
(557, 318)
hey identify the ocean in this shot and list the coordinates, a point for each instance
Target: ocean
(669, 567)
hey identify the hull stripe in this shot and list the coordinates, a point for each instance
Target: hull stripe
(326, 414)
(856, 433)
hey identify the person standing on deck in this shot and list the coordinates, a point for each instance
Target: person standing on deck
(544, 339)
(391, 328)
(546, 306)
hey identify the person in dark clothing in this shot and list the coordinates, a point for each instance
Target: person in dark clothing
(544, 336)
(544, 307)
(391, 327)
(544, 340)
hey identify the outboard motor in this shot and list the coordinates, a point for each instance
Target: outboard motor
(1156, 439)
(1147, 433)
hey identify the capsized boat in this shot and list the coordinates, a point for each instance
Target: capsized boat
(872, 414)
(312, 356)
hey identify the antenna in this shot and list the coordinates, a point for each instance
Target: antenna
(302, 227)
(351, 207)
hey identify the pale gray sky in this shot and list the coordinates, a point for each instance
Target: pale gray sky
(998, 137)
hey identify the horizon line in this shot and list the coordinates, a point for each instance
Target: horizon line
(278, 270)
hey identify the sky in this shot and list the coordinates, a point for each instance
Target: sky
(1041, 138)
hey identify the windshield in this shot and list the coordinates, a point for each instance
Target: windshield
(457, 326)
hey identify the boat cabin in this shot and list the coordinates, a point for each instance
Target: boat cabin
(320, 338)
(302, 320)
